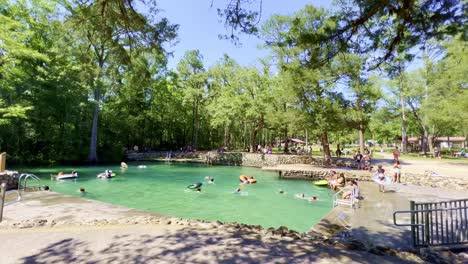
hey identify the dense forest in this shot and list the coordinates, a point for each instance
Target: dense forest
(83, 80)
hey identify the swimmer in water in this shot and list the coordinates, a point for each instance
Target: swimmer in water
(301, 196)
(313, 199)
(82, 190)
(238, 190)
(281, 191)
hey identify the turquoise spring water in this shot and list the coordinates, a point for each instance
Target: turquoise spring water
(161, 188)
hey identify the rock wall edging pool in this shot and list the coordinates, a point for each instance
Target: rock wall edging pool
(10, 178)
(406, 177)
(227, 158)
(257, 160)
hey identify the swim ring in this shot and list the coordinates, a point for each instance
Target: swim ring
(381, 180)
(195, 185)
(247, 179)
(321, 183)
(104, 175)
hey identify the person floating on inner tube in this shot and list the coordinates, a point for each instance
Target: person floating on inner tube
(195, 187)
(247, 180)
(209, 179)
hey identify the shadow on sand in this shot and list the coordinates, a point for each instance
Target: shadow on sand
(190, 245)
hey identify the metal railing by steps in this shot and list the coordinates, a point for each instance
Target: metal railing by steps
(351, 202)
(22, 187)
(437, 223)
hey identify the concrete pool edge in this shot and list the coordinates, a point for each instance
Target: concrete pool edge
(133, 218)
(48, 208)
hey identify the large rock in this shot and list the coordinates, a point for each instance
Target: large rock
(10, 178)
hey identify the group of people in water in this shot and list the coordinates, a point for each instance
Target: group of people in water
(312, 198)
(244, 179)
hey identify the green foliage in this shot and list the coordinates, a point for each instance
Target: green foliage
(68, 68)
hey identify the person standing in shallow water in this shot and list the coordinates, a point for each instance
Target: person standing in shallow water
(396, 154)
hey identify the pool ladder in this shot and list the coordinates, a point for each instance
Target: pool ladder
(351, 202)
(23, 185)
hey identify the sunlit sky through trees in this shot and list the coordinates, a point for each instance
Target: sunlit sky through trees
(200, 27)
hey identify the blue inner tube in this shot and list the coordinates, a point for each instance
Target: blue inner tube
(195, 185)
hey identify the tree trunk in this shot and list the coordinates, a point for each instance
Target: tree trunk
(286, 147)
(326, 147)
(361, 125)
(361, 139)
(97, 98)
(94, 131)
(226, 136)
(404, 137)
(195, 125)
(425, 139)
(253, 142)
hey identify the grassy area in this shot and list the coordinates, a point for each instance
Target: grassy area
(418, 156)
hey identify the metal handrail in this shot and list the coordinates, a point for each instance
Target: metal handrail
(2, 199)
(451, 201)
(421, 211)
(26, 177)
(437, 224)
(22, 185)
(335, 196)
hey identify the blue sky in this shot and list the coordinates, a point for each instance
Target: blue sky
(199, 27)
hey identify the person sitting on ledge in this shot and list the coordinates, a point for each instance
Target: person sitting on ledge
(340, 182)
(354, 191)
(332, 179)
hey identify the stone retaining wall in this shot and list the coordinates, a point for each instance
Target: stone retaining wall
(323, 173)
(155, 155)
(11, 178)
(227, 158)
(411, 178)
(257, 160)
(451, 183)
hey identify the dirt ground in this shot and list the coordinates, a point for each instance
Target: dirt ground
(53, 228)
(442, 167)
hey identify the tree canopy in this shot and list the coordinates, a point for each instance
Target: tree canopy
(87, 80)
